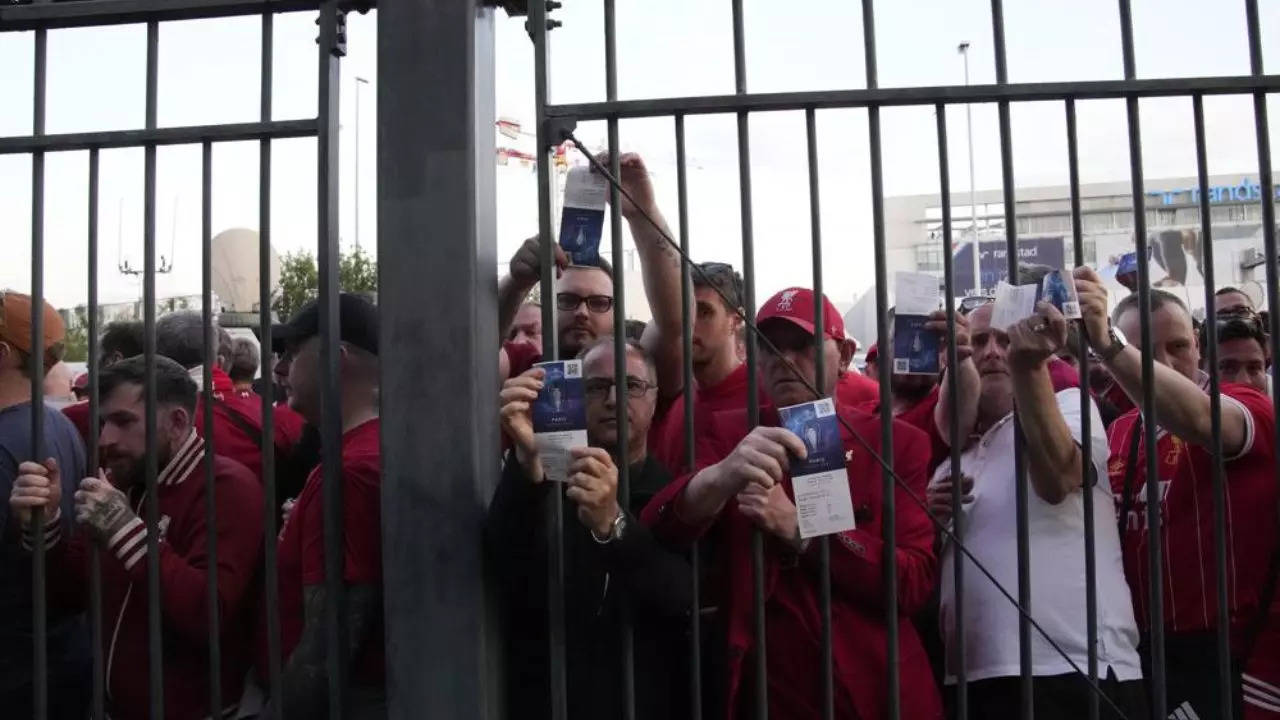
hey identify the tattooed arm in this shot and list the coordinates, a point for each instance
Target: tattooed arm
(304, 687)
(660, 269)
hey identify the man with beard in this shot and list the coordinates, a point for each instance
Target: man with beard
(109, 510)
(584, 294)
(602, 540)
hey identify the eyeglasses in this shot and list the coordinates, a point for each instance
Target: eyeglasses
(569, 302)
(598, 388)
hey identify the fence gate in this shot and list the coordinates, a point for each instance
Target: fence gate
(556, 123)
(437, 81)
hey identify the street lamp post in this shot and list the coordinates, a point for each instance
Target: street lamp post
(359, 81)
(963, 49)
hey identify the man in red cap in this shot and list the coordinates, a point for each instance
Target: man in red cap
(67, 636)
(743, 484)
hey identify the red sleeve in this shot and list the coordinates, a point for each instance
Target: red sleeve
(717, 437)
(857, 556)
(361, 527)
(184, 578)
(1261, 419)
(522, 356)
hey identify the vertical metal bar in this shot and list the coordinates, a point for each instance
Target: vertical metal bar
(550, 350)
(271, 589)
(1266, 180)
(1149, 420)
(619, 341)
(953, 418)
(1086, 421)
(331, 401)
(761, 681)
(435, 189)
(154, 629)
(39, 610)
(1019, 449)
(210, 487)
(1225, 706)
(819, 341)
(888, 510)
(98, 711)
(690, 450)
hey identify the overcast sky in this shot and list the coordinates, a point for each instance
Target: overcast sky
(209, 73)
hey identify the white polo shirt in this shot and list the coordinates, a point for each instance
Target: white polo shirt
(990, 622)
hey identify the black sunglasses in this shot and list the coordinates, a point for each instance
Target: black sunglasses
(973, 302)
(569, 302)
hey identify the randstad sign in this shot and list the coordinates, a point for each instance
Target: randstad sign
(1246, 191)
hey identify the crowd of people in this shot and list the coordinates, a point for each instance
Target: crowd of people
(691, 519)
(79, 511)
(697, 513)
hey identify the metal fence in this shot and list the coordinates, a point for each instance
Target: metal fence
(435, 99)
(556, 123)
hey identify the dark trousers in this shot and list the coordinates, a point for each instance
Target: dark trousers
(1056, 697)
(1191, 675)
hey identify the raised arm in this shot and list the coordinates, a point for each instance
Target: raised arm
(1053, 454)
(660, 270)
(525, 271)
(1181, 406)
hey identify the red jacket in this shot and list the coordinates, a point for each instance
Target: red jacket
(237, 424)
(857, 606)
(183, 586)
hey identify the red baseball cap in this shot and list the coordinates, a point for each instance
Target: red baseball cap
(796, 305)
(873, 352)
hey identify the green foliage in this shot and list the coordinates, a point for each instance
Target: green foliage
(300, 279)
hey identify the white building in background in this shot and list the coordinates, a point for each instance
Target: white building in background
(913, 235)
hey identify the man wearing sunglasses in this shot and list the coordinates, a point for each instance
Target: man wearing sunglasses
(609, 556)
(1185, 465)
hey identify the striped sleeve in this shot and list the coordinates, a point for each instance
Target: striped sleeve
(52, 533)
(129, 543)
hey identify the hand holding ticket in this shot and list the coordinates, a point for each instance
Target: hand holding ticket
(820, 480)
(559, 417)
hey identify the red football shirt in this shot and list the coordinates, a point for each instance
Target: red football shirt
(666, 438)
(855, 389)
(1186, 518)
(301, 548)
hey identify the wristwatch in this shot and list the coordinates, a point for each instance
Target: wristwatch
(616, 530)
(1116, 344)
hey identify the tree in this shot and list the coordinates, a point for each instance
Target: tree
(76, 342)
(298, 282)
(300, 279)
